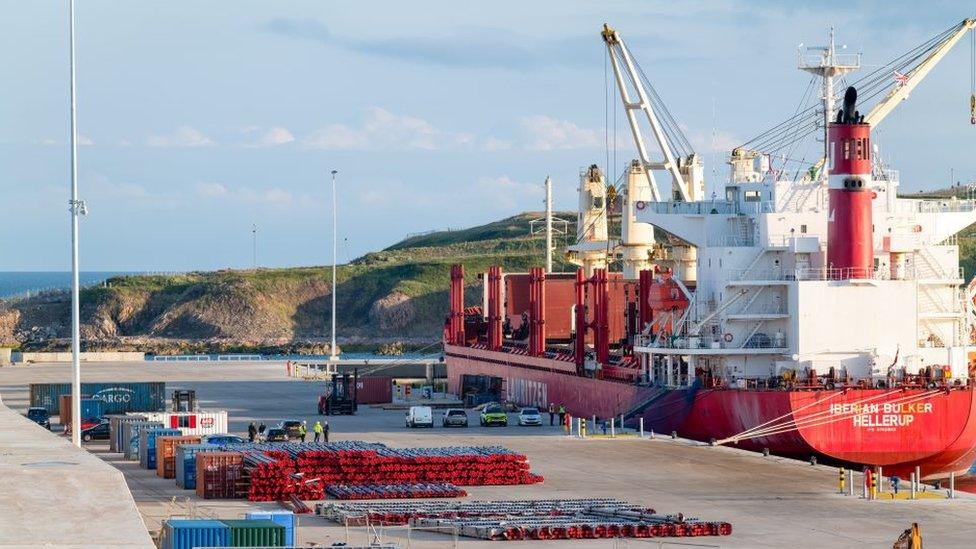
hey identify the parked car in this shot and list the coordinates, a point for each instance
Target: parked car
(507, 406)
(420, 416)
(276, 434)
(291, 427)
(455, 417)
(39, 416)
(222, 438)
(494, 415)
(99, 431)
(529, 416)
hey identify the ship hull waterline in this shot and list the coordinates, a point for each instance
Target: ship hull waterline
(897, 429)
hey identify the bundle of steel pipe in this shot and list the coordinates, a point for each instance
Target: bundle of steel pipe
(530, 519)
(394, 491)
(280, 470)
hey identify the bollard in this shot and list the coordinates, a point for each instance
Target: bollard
(613, 430)
(652, 434)
(641, 425)
(918, 478)
(952, 485)
(582, 427)
(914, 480)
(879, 480)
(621, 422)
(569, 424)
(864, 486)
(840, 479)
(579, 427)
(850, 482)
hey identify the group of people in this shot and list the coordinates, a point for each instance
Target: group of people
(320, 431)
(555, 409)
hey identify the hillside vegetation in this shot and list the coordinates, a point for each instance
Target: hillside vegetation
(397, 294)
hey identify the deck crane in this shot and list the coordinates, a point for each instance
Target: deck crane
(915, 76)
(686, 170)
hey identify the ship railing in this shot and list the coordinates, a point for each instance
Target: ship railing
(832, 273)
(703, 207)
(949, 205)
(731, 241)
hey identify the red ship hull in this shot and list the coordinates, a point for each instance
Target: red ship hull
(896, 429)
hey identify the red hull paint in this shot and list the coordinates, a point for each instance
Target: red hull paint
(937, 432)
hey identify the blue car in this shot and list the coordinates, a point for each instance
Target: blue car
(221, 439)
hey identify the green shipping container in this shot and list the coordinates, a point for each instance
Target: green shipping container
(255, 533)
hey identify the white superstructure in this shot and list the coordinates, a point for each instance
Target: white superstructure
(764, 302)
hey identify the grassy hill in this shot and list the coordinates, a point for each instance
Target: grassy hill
(397, 294)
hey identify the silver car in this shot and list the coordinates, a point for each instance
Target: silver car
(529, 416)
(455, 417)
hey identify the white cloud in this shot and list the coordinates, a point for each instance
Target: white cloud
(495, 144)
(274, 196)
(545, 133)
(211, 189)
(276, 136)
(382, 130)
(84, 140)
(184, 136)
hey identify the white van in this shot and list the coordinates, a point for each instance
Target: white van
(420, 416)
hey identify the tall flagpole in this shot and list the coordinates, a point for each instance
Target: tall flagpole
(332, 350)
(77, 208)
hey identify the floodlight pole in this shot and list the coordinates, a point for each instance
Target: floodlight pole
(335, 257)
(77, 208)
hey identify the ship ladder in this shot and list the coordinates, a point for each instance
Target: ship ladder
(782, 425)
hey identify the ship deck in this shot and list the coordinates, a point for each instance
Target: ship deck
(771, 502)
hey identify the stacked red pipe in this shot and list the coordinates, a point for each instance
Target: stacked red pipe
(279, 471)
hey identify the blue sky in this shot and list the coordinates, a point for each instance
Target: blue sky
(200, 119)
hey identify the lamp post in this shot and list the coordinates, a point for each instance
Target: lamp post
(254, 246)
(77, 208)
(332, 349)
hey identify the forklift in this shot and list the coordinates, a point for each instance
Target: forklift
(340, 396)
(184, 400)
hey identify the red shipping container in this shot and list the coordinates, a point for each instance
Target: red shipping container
(220, 475)
(166, 453)
(374, 390)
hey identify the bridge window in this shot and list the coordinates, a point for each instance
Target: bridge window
(753, 196)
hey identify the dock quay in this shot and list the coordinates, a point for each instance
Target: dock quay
(770, 501)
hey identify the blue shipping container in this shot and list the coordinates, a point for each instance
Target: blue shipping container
(91, 408)
(147, 445)
(284, 518)
(131, 436)
(187, 534)
(186, 463)
(119, 398)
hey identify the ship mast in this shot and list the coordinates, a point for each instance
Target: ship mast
(825, 62)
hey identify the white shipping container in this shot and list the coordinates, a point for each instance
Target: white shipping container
(191, 423)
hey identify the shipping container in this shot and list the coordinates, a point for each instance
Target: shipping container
(130, 436)
(119, 398)
(115, 431)
(166, 453)
(220, 475)
(190, 533)
(374, 390)
(186, 463)
(193, 423)
(255, 533)
(284, 518)
(90, 409)
(147, 445)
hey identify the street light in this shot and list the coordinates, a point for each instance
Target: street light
(77, 208)
(332, 349)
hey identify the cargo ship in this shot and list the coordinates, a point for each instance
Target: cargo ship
(810, 312)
